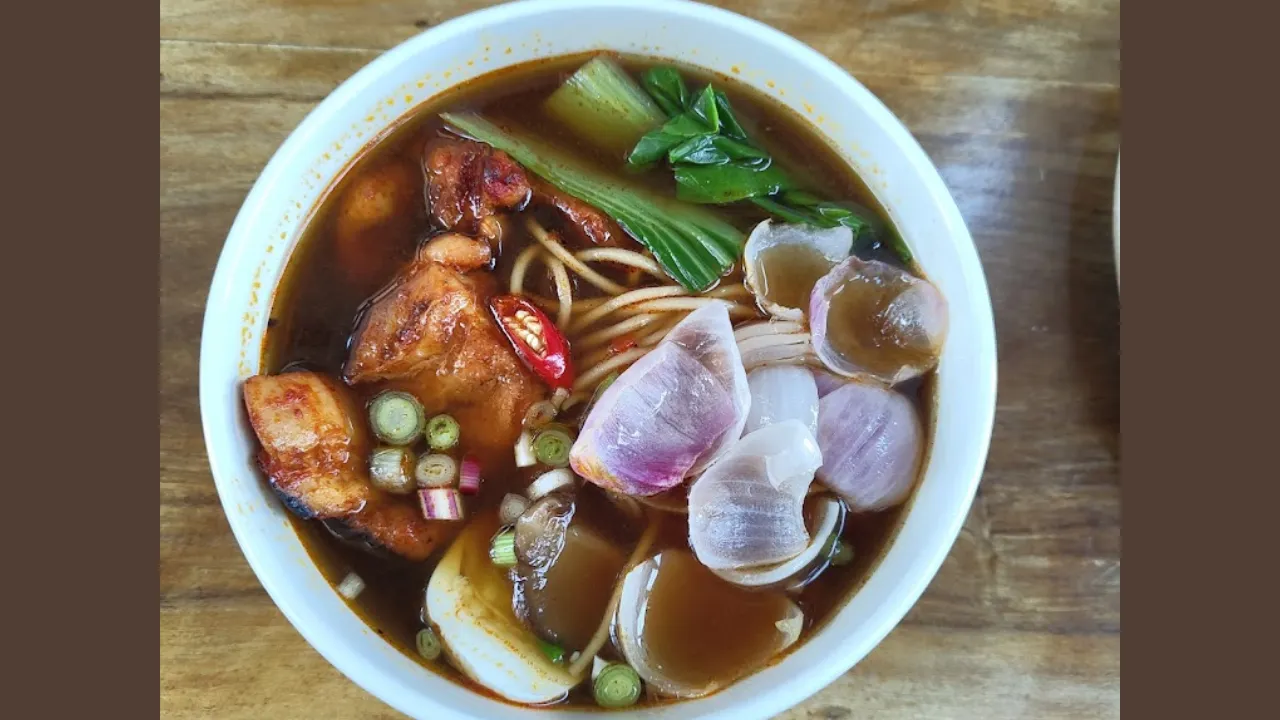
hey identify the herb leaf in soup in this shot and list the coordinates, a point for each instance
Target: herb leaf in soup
(728, 121)
(720, 165)
(715, 150)
(657, 143)
(665, 85)
(718, 184)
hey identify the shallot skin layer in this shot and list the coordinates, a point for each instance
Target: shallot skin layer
(782, 392)
(870, 319)
(671, 413)
(746, 510)
(872, 444)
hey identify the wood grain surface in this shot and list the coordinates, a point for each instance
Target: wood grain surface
(1016, 101)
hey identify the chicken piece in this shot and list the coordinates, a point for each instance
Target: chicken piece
(432, 335)
(469, 184)
(456, 251)
(315, 452)
(374, 222)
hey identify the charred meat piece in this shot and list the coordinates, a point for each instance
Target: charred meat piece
(314, 443)
(469, 184)
(315, 452)
(431, 334)
(584, 224)
(397, 524)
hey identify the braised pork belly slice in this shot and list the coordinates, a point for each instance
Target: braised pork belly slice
(315, 452)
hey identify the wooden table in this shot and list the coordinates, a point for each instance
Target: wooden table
(1016, 101)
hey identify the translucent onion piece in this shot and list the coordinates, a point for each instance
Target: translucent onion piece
(828, 518)
(468, 600)
(869, 318)
(747, 509)
(689, 633)
(872, 442)
(783, 261)
(670, 414)
(783, 392)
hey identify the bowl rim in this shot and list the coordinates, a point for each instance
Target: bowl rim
(903, 595)
(1115, 219)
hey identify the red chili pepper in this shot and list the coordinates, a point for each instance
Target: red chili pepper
(622, 344)
(535, 338)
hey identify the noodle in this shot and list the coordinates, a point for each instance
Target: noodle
(760, 342)
(574, 263)
(546, 304)
(656, 337)
(594, 375)
(766, 328)
(622, 257)
(588, 303)
(602, 336)
(730, 291)
(574, 399)
(521, 266)
(627, 298)
(790, 349)
(691, 303)
(563, 290)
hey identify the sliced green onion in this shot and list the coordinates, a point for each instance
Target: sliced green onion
(428, 644)
(549, 482)
(469, 476)
(511, 508)
(391, 469)
(551, 446)
(440, 504)
(539, 414)
(843, 554)
(435, 470)
(524, 450)
(442, 432)
(694, 245)
(602, 103)
(502, 549)
(559, 396)
(351, 586)
(396, 417)
(617, 686)
(836, 551)
(554, 652)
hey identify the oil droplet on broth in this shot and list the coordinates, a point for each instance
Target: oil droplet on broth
(787, 274)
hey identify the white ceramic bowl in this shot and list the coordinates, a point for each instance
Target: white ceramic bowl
(857, 124)
(1115, 220)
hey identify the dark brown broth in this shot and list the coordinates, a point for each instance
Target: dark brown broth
(315, 307)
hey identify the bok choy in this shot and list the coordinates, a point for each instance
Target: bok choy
(693, 244)
(714, 162)
(600, 102)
